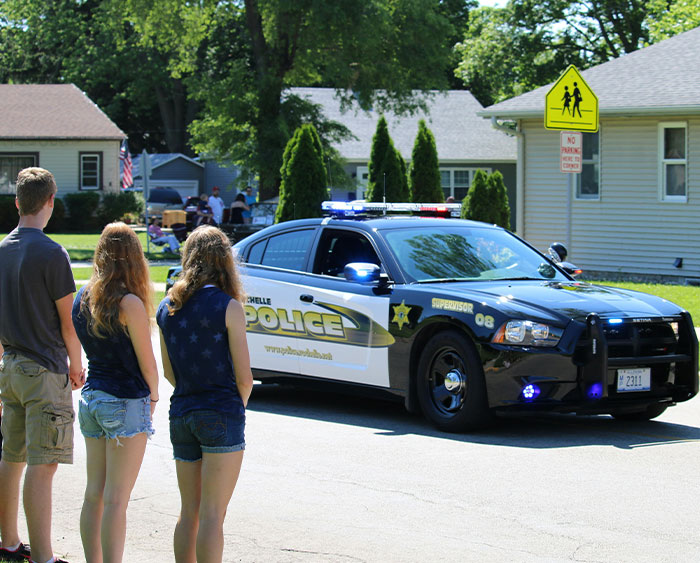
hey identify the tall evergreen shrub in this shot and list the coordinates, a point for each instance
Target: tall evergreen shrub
(498, 195)
(424, 180)
(380, 143)
(303, 187)
(476, 205)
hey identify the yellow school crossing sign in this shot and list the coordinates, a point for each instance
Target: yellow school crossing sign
(571, 105)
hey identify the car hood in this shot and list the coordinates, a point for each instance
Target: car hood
(555, 300)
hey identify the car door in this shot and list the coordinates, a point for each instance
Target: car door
(271, 279)
(346, 322)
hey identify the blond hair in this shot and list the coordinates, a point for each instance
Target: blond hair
(119, 268)
(35, 186)
(206, 259)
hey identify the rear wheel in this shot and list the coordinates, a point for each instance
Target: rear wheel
(652, 411)
(450, 384)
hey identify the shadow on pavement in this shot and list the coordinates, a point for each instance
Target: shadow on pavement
(539, 431)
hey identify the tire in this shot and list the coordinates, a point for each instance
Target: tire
(652, 411)
(459, 403)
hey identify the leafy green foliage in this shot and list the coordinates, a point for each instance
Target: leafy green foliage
(487, 200)
(671, 17)
(425, 184)
(303, 186)
(82, 209)
(58, 217)
(511, 50)
(115, 206)
(381, 141)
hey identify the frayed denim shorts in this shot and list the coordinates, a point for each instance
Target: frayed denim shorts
(206, 431)
(103, 415)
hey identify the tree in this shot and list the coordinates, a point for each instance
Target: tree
(377, 53)
(476, 205)
(380, 143)
(392, 182)
(303, 186)
(425, 183)
(498, 196)
(511, 50)
(670, 17)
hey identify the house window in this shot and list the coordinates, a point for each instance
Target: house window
(90, 171)
(10, 165)
(672, 161)
(588, 181)
(456, 181)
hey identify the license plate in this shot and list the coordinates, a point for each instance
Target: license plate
(638, 379)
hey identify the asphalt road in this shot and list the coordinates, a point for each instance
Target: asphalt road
(331, 478)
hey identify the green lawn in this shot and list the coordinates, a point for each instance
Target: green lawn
(158, 273)
(81, 247)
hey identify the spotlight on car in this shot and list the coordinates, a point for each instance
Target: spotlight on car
(530, 392)
(595, 391)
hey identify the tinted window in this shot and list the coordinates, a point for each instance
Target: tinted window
(464, 253)
(256, 252)
(340, 247)
(287, 250)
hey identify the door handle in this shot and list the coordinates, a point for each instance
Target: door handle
(306, 298)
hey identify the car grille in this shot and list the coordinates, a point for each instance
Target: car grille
(632, 340)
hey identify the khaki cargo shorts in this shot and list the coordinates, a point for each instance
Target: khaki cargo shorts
(37, 416)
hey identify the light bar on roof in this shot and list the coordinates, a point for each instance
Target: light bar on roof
(349, 209)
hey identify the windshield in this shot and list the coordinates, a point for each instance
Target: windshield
(454, 253)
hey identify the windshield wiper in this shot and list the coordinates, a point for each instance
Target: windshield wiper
(447, 280)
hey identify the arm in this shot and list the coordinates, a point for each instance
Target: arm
(70, 339)
(167, 367)
(238, 345)
(133, 314)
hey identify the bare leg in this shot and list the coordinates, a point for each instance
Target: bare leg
(37, 508)
(219, 476)
(91, 515)
(123, 465)
(189, 480)
(10, 477)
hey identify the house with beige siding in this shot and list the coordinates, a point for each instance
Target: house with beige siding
(57, 127)
(635, 208)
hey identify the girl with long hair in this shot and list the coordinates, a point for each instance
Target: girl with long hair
(112, 316)
(205, 357)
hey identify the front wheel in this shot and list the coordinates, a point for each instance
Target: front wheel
(652, 411)
(450, 384)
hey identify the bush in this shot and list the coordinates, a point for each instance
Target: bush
(8, 213)
(487, 200)
(303, 187)
(116, 206)
(82, 207)
(57, 221)
(380, 145)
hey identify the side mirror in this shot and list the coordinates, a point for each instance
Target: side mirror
(362, 272)
(570, 269)
(557, 252)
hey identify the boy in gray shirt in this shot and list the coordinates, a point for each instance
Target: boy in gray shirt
(36, 332)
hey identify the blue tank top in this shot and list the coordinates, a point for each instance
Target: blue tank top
(197, 343)
(112, 363)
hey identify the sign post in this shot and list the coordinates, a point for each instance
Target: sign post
(146, 175)
(571, 107)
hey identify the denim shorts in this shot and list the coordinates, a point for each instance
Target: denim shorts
(101, 414)
(206, 431)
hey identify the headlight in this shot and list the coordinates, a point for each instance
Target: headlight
(527, 333)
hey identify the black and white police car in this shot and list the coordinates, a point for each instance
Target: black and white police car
(460, 319)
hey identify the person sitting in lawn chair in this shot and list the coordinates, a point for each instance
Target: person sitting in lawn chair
(159, 238)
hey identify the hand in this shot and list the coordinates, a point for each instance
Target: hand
(153, 407)
(77, 379)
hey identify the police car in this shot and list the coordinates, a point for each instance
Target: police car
(459, 319)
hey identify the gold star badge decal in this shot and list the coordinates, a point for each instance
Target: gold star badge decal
(401, 314)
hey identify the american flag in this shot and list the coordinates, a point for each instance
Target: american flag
(125, 158)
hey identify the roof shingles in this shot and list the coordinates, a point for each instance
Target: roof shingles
(52, 111)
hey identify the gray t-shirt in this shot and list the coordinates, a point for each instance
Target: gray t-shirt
(34, 273)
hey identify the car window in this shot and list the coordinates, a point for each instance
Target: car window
(287, 250)
(463, 253)
(339, 247)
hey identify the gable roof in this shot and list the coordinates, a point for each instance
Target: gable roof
(663, 78)
(52, 111)
(160, 159)
(460, 134)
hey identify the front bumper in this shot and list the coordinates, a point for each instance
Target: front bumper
(580, 375)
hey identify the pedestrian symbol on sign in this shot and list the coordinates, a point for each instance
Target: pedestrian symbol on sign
(571, 105)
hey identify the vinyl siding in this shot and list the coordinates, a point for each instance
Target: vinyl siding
(630, 229)
(61, 158)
